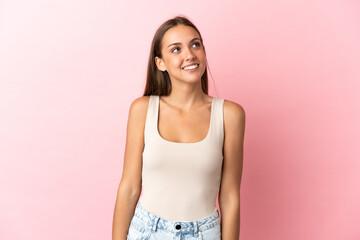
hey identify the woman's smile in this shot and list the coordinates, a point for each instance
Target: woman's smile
(191, 68)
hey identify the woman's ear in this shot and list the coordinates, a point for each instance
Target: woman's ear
(160, 64)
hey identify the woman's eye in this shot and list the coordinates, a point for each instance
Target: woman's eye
(197, 44)
(173, 50)
(177, 49)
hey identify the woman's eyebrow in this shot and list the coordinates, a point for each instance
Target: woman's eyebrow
(177, 43)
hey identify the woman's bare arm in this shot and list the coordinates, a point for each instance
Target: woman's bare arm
(229, 194)
(129, 189)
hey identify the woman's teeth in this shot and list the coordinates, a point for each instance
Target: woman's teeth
(191, 67)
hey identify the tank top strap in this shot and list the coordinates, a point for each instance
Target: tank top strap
(218, 121)
(151, 118)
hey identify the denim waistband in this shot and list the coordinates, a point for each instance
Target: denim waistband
(156, 222)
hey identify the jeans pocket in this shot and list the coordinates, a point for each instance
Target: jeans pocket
(213, 233)
(136, 230)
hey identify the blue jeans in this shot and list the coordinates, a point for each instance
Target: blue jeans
(147, 226)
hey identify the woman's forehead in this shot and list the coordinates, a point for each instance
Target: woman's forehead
(180, 33)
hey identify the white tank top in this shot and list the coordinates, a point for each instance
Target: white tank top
(180, 181)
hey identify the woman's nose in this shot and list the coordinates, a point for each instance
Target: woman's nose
(189, 54)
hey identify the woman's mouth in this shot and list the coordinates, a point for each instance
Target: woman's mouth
(191, 68)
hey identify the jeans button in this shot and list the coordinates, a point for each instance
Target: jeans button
(178, 227)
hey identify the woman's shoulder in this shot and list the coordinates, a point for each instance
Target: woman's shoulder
(140, 102)
(233, 106)
(234, 113)
(139, 106)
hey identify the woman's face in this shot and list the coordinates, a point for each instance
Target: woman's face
(183, 55)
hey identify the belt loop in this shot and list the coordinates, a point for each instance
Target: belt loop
(156, 220)
(196, 227)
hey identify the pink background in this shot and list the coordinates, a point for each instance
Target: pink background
(70, 69)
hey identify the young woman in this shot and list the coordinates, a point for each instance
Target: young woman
(183, 148)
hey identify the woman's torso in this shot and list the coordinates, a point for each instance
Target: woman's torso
(180, 181)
